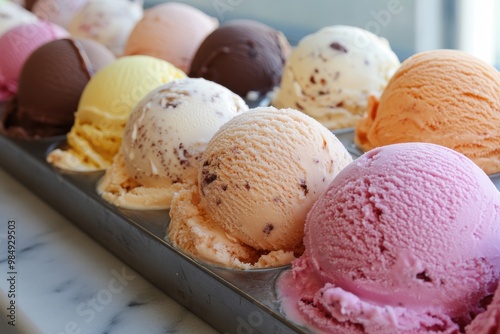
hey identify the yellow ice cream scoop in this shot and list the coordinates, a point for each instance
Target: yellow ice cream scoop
(104, 108)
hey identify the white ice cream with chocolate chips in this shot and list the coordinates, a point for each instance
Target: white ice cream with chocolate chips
(331, 73)
(163, 140)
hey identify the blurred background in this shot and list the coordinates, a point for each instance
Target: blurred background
(411, 26)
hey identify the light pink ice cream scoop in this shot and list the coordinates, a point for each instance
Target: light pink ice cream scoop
(406, 239)
(17, 44)
(171, 31)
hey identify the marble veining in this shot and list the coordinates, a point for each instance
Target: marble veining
(67, 283)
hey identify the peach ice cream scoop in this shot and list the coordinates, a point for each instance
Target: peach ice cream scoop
(171, 31)
(446, 97)
(260, 174)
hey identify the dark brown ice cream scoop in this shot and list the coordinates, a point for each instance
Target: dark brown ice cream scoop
(50, 85)
(242, 55)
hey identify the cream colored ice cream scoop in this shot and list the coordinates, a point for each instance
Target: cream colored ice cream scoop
(164, 139)
(331, 73)
(108, 22)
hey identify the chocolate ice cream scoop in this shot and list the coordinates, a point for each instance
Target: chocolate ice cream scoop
(242, 55)
(50, 86)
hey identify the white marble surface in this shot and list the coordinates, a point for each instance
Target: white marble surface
(67, 283)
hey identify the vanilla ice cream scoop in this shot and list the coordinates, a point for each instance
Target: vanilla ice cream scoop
(12, 15)
(331, 73)
(108, 22)
(57, 11)
(163, 141)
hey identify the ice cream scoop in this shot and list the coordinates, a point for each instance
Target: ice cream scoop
(104, 108)
(446, 97)
(163, 141)
(17, 44)
(59, 12)
(406, 239)
(171, 31)
(260, 174)
(108, 22)
(331, 73)
(50, 85)
(12, 15)
(245, 56)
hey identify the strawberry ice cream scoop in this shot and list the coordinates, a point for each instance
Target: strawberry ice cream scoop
(406, 239)
(17, 45)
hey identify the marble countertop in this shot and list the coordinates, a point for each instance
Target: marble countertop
(63, 282)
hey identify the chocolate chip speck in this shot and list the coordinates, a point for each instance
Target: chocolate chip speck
(247, 186)
(224, 187)
(486, 300)
(306, 301)
(209, 178)
(268, 228)
(218, 201)
(338, 47)
(169, 102)
(303, 185)
(312, 80)
(423, 276)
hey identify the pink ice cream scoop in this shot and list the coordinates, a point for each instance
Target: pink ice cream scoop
(406, 239)
(17, 44)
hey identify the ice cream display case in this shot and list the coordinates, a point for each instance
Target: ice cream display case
(232, 301)
(259, 155)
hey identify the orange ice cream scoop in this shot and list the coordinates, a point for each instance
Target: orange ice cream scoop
(445, 97)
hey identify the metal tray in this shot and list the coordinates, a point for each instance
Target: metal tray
(232, 301)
